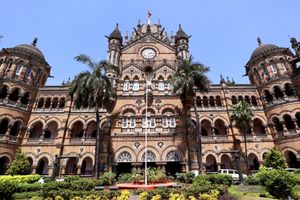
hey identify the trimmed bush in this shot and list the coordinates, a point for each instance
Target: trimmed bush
(200, 180)
(82, 184)
(125, 177)
(274, 159)
(108, 178)
(251, 180)
(185, 177)
(26, 195)
(223, 179)
(278, 183)
(20, 178)
(7, 189)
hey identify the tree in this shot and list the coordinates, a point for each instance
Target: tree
(95, 89)
(188, 79)
(274, 159)
(20, 165)
(241, 114)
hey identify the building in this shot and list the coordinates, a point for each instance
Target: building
(42, 122)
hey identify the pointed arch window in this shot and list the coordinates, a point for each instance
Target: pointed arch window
(136, 85)
(19, 70)
(161, 84)
(126, 85)
(274, 69)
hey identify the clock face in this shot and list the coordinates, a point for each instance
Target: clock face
(148, 53)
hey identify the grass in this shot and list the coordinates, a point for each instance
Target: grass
(248, 192)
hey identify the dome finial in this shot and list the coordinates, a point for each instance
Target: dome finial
(259, 41)
(34, 42)
(179, 27)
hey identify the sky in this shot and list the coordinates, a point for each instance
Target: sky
(223, 32)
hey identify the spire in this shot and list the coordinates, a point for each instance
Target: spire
(180, 34)
(34, 42)
(116, 34)
(259, 41)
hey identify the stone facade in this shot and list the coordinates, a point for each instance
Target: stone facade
(42, 121)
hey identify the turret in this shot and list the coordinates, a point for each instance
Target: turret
(114, 46)
(182, 43)
(267, 63)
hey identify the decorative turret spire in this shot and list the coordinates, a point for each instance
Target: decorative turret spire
(181, 34)
(116, 34)
(259, 41)
(34, 42)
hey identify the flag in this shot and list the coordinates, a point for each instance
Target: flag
(149, 14)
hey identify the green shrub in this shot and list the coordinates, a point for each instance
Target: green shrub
(69, 179)
(251, 180)
(274, 159)
(223, 179)
(7, 189)
(185, 177)
(67, 194)
(108, 178)
(26, 195)
(26, 187)
(20, 178)
(278, 183)
(83, 184)
(200, 180)
(20, 165)
(125, 177)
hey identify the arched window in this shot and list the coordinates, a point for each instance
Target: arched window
(277, 92)
(198, 101)
(124, 157)
(151, 157)
(14, 131)
(289, 90)
(51, 130)
(151, 119)
(40, 102)
(161, 84)
(211, 101)
(91, 131)
(273, 68)
(55, 102)
(205, 101)
(268, 96)
(62, 103)
(126, 84)
(253, 101)
(288, 122)
(48, 102)
(233, 100)
(298, 119)
(14, 96)
(28, 74)
(3, 92)
(77, 130)
(247, 99)
(19, 70)
(218, 101)
(128, 119)
(173, 156)
(4, 126)
(240, 98)
(26, 98)
(206, 128)
(136, 84)
(36, 130)
(258, 127)
(220, 128)
(277, 125)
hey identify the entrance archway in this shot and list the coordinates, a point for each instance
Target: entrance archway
(226, 162)
(30, 165)
(173, 165)
(211, 164)
(253, 162)
(71, 167)
(291, 159)
(87, 166)
(4, 161)
(124, 163)
(151, 160)
(42, 167)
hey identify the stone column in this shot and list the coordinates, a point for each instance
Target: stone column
(34, 169)
(218, 166)
(7, 134)
(43, 135)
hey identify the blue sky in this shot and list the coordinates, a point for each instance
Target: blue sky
(223, 32)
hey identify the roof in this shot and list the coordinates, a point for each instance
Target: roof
(116, 34)
(28, 48)
(263, 50)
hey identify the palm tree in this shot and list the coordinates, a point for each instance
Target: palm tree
(188, 79)
(95, 89)
(241, 114)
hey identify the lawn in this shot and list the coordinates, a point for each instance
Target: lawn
(245, 192)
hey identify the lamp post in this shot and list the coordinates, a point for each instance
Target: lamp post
(237, 161)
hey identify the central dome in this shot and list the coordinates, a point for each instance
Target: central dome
(30, 49)
(263, 50)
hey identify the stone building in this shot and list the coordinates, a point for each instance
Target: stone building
(42, 121)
